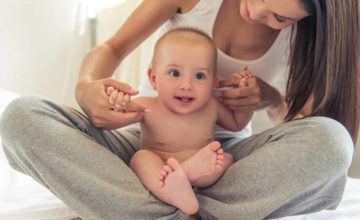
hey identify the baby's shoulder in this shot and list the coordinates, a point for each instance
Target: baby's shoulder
(214, 102)
(148, 101)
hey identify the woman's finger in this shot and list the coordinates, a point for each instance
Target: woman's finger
(230, 82)
(244, 108)
(236, 92)
(113, 119)
(136, 107)
(122, 87)
(241, 101)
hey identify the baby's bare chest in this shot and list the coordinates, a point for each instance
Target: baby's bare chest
(178, 132)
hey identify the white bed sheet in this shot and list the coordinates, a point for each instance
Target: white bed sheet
(22, 198)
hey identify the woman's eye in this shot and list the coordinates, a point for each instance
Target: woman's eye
(200, 75)
(279, 19)
(174, 73)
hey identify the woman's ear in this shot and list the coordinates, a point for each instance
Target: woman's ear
(152, 77)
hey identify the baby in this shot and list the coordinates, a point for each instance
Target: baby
(178, 150)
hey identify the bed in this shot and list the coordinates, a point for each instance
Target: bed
(21, 198)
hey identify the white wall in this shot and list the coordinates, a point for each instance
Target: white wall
(36, 40)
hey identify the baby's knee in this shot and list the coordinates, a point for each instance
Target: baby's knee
(142, 157)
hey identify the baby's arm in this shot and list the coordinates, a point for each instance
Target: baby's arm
(232, 120)
(235, 120)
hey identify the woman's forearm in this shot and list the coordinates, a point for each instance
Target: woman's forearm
(277, 112)
(99, 63)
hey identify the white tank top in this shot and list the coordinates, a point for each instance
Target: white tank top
(202, 16)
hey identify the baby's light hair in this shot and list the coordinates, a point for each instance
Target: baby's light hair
(188, 35)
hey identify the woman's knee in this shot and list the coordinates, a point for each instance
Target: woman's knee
(18, 119)
(18, 112)
(332, 145)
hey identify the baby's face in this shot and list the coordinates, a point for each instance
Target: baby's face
(184, 76)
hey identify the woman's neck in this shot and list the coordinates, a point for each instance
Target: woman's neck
(238, 38)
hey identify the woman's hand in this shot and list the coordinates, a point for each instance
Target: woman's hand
(94, 101)
(247, 92)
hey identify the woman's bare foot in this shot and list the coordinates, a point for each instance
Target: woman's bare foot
(207, 161)
(176, 188)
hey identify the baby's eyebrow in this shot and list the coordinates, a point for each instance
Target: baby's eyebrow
(175, 66)
(203, 70)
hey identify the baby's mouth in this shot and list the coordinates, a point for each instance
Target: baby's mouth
(184, 98)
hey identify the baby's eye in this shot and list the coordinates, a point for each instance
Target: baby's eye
(200, 75)
(174, 73)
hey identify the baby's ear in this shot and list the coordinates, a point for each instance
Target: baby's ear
(216, 81)
(152, 77)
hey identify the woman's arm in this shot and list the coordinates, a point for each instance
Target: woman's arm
(99, 64)
(278, 112)
(101, 61)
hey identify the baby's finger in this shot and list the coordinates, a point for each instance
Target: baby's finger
(109, 90)
(119, 100)
(126, 100)
(243, 82)
(112, 96)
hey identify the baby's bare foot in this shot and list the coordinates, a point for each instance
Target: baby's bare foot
(176, 188)
(205, 162)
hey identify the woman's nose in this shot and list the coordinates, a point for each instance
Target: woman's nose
(258, 12)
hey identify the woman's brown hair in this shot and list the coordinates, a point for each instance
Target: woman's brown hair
(324, 65)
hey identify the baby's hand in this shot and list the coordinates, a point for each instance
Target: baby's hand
(120, 100)
(243, 77)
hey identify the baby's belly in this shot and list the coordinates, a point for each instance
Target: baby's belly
(180, 152)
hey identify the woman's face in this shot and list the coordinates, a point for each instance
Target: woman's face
(276, 14)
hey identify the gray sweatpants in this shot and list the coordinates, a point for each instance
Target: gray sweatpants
(295, 168)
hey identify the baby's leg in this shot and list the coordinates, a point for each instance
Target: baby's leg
(167, 182)
(207, 165)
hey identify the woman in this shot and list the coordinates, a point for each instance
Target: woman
(294, 168)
